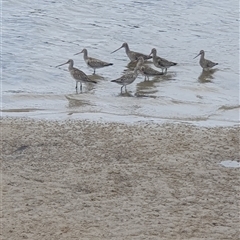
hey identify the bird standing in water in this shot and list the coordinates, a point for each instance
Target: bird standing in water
(204, 63)
(161, 62)
(146, 70)
(133, 56)
(93, 62)
(128, 78)
(77, 74)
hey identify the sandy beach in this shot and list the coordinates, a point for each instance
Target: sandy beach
(86, 180)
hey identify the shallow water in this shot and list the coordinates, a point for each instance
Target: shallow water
(37, 36)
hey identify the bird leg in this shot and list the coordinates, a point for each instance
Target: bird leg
(122, 88)
(94, 71)
(81, 86)
(76, 85)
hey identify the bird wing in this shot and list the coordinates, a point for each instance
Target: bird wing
(137, 55)
(164, 62)
(93, 62)
(80, 75)
(125, 78)
(161, 61)
(210, 64)
(150, 71)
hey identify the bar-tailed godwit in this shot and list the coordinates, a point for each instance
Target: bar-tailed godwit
(133, 56)
(204, 63)
(77, 74)
(128, 78)
(161, 62)
(146, 70)
(93, 62)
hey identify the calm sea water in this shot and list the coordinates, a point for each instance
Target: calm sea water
(38, 35)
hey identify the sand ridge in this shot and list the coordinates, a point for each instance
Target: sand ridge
(89, 180)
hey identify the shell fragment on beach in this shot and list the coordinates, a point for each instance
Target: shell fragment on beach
(230, 164)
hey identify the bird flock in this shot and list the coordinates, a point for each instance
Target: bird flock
(138, 58)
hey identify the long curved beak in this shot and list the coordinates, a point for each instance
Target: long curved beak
(197, 55)
(77, 53)
(116, 49)
(150, 54)
(61, 64)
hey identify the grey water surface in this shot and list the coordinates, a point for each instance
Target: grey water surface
(38, 35)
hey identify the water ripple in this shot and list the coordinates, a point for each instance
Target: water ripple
(38, 36)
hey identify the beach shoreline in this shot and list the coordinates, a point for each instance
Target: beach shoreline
(82, 179)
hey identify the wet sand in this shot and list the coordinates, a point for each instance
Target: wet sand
(88, 180)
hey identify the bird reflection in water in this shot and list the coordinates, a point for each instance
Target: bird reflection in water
(144, 88)
(73, 101)
(206, 76)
